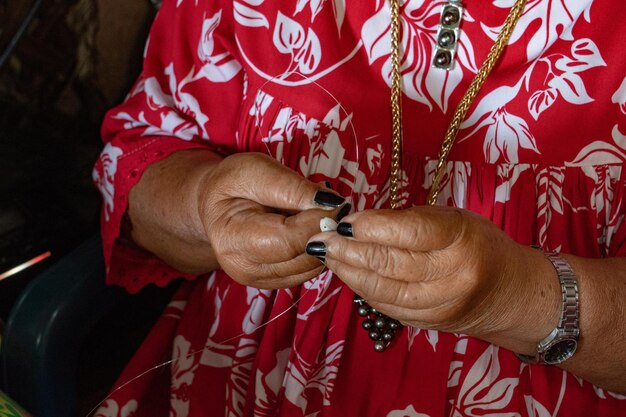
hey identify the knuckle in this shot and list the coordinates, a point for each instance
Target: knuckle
(271, 271)
(378, 288)
(290, 246)
(382, 260)
(372, 255)
(460, 226)
(409, 225)
(300, 193)
(239, 270)
(370, 286)
(435, 265)
(404, 297)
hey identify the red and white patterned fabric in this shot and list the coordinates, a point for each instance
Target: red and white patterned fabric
(541, 154)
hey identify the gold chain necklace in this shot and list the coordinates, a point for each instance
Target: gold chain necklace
(380, 327)
(461, 110)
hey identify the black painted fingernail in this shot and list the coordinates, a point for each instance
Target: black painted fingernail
(326, 199)
(321, 259)
(345, 210)
(345, 229)
(317, 249)
(328, 185)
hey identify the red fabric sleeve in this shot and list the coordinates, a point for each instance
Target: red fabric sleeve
(187, 97)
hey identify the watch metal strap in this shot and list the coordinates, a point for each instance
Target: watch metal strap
(568, 325)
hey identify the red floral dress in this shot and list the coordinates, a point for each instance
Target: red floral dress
(541, 154)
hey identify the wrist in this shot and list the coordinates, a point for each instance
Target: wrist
(562, 342)
(533, 302)
(204, 188)
(163, 210)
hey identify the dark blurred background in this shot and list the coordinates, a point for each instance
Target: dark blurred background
(63, 63)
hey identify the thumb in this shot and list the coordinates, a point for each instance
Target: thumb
(260, 178)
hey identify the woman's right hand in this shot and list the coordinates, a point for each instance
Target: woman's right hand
(246, 214)
(258, 216)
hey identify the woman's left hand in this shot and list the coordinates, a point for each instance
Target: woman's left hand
(436, 267)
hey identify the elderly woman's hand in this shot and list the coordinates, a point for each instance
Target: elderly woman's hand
(258, 216)
(437, 267)
(245, 214)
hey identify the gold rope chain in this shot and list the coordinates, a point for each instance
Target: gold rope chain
(459, 114)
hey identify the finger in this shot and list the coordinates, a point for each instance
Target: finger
(292, 272)
(427, 308)
(260, 178)
(287, 239)
(388, 261)
(272, 276)
(262, 237)
(424, 318)
(383, 290)
(423, 228)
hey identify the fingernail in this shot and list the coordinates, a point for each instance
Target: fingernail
(317, 249)
(328, 185)
(321, 259)
(345, 210)
(328, 200)
(345, 229)
(328, 225)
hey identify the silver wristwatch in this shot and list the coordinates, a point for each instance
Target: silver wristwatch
(561, 343)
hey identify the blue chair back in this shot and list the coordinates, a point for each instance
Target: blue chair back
(47, 326)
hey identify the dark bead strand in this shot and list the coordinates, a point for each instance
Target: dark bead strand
(380, 328)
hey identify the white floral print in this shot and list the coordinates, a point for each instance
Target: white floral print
(541, 155)
(484, 391)
(619, 97)
(421, 82)
(104, 174)
(111, 408)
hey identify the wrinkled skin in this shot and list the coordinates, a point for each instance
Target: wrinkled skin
(431, 267)
(246, 214)
(258, 216)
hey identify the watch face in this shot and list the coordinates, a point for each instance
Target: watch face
(560, 351)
